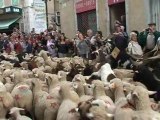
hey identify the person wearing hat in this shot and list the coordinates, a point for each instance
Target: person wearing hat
(149, 37)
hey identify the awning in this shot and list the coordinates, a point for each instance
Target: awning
(4, 24)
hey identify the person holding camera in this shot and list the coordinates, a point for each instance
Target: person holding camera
(148, 38)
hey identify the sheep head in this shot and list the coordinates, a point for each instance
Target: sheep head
(140, 98)
(15, 110)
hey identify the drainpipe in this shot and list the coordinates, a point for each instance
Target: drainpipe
(75, 14)
(127, 15)
(97, 14)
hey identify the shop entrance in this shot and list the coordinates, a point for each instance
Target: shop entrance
(87, 20)
(117, 12)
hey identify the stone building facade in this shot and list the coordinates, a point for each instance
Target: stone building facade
(134, 15)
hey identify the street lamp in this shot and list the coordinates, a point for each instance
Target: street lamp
(46, 1)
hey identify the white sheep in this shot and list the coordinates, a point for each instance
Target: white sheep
(62, 75)
(67, 103)
(39, 99)
(79, 88)
(99, 93)
(23, 96)
(140, 99)
(6, 102)
(121, 113)
(15, 112)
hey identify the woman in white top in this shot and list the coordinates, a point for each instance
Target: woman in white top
(133, 47)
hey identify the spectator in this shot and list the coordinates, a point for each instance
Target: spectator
(17, 46)
(133, 47)
(51, 46)
(149, 37)
(29, 47)
(99, 39)
(62, 47)
(82, 47)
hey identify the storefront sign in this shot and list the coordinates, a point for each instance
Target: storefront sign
(85, 5)
(12, 9)
(112, 2)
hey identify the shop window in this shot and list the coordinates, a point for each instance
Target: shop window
(87, 20)
(1, 3)
(15, 2)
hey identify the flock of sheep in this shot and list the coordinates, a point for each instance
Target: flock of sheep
(46, 92)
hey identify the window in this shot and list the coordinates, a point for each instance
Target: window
(155, 12)
(15, 2)
(1, 3)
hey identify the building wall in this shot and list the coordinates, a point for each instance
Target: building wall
(137, 18)
(51, 10)
(9, 3)
(68, 18)
(102, 17)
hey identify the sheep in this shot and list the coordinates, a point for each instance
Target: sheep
(39, 99)
(7, 73)
(67, 103)
(62, 75)
(79, 78)
(66, 66)
(9, 84)
(6, 102)
(123, 73)
(52, 106)
(121, 113)
(2, 87)
(79, 88)
(99, 93)
(140, 99)
(23, 97)
(105, 73)
(15, 112)
(47, 69)
(40, 74)
(53, 85)
(98, 111)
(145, 76)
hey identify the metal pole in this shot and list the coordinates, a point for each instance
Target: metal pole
(46, 12)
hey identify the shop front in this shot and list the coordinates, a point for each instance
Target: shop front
(86, 15)
(117, 12)
(9, 18)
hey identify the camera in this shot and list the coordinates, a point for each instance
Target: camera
(147, 30)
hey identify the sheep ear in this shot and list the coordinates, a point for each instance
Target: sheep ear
(74, 85)
(90, 115)
(110, 115)
(87, 77)
(152, 92)
(112, 86)
(12, 76)
(135, 94)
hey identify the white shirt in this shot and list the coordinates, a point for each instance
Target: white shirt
(134, 48)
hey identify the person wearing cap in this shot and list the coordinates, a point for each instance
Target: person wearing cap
(149, 37)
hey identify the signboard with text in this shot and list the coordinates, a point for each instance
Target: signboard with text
(40, 24)
(12, 9)
(112, 2)
(85, 5)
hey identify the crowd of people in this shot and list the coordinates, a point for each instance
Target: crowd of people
(58, 45)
